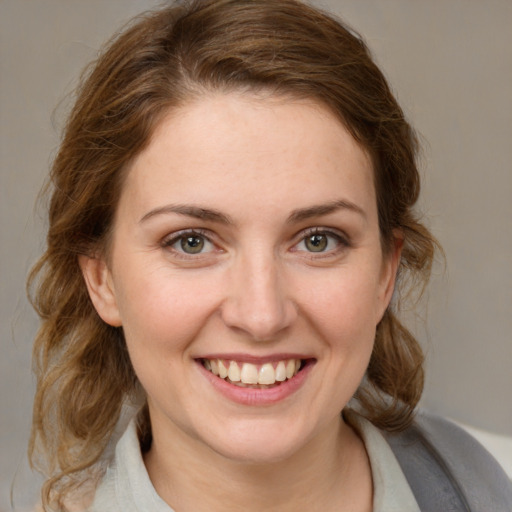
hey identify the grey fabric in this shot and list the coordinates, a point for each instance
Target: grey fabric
(391, 491)
(448, 470)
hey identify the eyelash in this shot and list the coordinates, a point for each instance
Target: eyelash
(341, 240)
(173, 239)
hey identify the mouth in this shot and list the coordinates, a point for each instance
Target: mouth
(255, 376)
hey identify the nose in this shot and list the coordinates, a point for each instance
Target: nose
(257, 303)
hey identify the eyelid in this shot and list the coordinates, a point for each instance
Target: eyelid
(173, 237)
(341, 237)
(321, 230)
(169, 240)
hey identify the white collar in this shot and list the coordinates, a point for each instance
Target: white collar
(127, 487)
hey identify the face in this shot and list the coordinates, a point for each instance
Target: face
(247, 273)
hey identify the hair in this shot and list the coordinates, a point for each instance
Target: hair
(161, 61)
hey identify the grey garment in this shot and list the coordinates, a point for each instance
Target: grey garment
(126, 486)
(448, 470)
(391, 491)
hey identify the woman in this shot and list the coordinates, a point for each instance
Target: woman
(232, 206)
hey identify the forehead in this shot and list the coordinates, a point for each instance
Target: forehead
(269, 150)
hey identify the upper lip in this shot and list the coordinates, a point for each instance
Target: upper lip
(248, 358)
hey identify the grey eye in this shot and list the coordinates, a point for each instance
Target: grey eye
(192, 244)
(316, 243)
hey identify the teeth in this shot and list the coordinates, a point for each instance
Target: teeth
(234, 372)
(290, 368)
(267, 374)
(249, 374)
(280, 371)
(223, 371)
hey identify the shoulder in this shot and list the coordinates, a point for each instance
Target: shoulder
(447, 467)
(126, 485)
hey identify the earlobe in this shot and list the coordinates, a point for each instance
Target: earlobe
(101, 290)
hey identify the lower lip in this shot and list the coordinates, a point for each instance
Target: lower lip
(255, 396)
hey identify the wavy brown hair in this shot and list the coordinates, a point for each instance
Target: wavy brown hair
(159, 62)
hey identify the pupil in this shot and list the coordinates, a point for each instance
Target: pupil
(316, 243)
(192, 244)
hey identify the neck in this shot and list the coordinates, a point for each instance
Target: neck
(331, 472)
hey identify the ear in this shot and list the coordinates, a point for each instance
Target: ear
(98, 279)
(390, 264)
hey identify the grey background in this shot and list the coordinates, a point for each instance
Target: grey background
(450, 64)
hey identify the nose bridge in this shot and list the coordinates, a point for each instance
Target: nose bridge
(258, 303)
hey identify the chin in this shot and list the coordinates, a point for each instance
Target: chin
(259, 442)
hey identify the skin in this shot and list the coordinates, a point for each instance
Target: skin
(273, 169)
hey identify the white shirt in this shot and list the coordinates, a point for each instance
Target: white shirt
(126, 486)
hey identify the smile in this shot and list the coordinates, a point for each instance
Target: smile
(251, 375)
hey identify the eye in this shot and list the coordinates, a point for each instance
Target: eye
(316, 243)
(321, 241)
(192, 244)
(189, 243)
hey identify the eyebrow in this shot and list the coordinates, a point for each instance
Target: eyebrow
(189, 211)
(325, 209)
(212, 215)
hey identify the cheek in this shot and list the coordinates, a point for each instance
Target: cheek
(164, 313)
(345, 305)
(343, 313)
